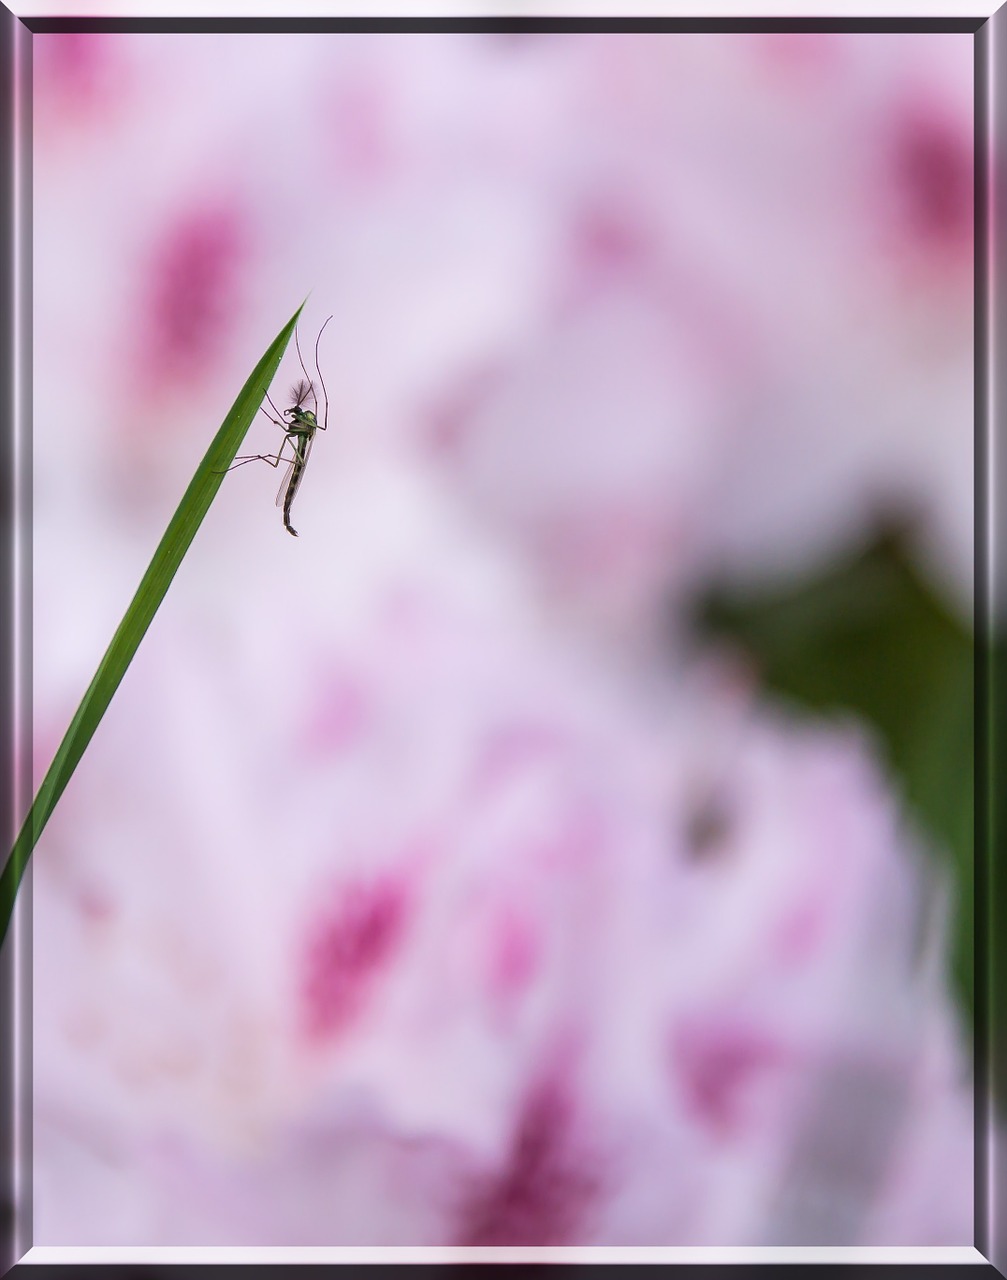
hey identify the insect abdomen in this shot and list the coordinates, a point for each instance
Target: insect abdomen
(295, 481)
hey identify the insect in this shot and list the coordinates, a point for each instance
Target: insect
(299, 426)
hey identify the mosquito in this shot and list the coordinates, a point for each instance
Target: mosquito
(299, 426)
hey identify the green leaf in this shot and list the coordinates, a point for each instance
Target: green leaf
(151, 591)
(869, 637)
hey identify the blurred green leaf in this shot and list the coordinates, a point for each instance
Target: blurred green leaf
(869, 636)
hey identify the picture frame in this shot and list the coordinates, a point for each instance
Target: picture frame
(988, 27)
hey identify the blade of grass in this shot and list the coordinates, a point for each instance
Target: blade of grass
(151, 591)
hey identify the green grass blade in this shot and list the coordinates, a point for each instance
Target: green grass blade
(162, 568)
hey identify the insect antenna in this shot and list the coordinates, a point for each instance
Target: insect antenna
(299, 392)
(318, 370)
(297, 344)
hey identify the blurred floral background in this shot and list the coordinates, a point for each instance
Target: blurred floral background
(567, 838)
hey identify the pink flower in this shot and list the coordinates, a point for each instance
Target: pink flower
(760, 331)
(659, 307)
(407, 894)
(523, 951)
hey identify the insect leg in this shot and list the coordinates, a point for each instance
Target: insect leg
(275, 421)
(274, 409)
(274, 460)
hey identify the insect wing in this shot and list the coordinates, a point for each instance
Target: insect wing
(283, 484)
(292, 441)
(294, 467)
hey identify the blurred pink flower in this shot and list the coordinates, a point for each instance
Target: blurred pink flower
(758, 342)
(659, 307)
(388, 906)
(469, 939)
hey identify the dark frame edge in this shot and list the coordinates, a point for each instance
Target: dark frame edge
(991, 645)
(478, 22)
(15, 592)
(990, 36)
